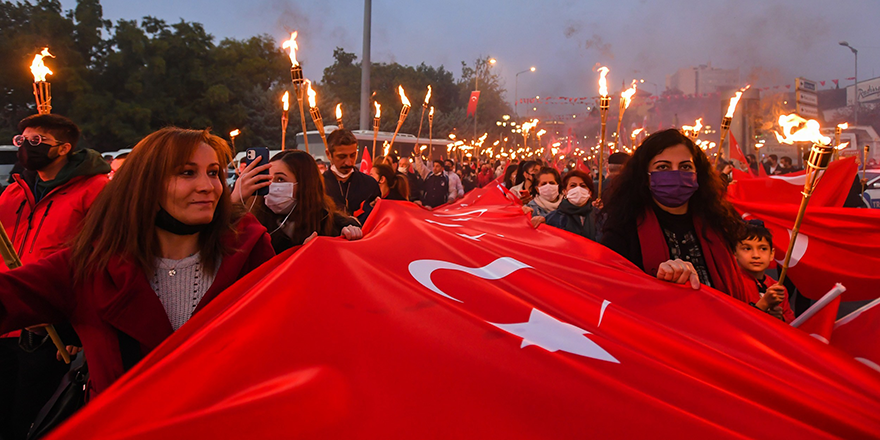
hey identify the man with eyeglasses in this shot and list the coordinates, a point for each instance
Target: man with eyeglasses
(42, 210)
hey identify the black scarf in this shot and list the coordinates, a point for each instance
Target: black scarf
(566, 207)
(165, 221)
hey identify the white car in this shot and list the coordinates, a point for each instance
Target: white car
(872, 188)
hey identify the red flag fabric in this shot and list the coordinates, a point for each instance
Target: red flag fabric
(786, 189)
(818, 320)
(834, 245)
(762, 172)
(583, 167)
(472, 103)
(858, 333)
(487, 328)
(366, 162)
(740, 175)
(735, 151)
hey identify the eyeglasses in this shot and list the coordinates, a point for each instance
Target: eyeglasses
(34, 140)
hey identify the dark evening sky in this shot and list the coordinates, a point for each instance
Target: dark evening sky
(770, 41)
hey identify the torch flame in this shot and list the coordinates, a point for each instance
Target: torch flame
(637, 131)
(378, 109)
(428, 96)
(843, 146)
(734, 101)
(387, 148)
(809, 133)
(403, 98)
(291, 44)
(628, 94)
(312, 95)
(38, 68)
(431, 113)
(603, 84)
(695, 129)
(843, 126)
(285, 100)
(234, 133)
(541, 132)
(339, 111)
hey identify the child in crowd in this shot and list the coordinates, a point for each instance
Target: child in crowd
(754, 253)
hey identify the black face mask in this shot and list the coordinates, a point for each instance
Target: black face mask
(165, 221)
(447, 168)
(36, 157)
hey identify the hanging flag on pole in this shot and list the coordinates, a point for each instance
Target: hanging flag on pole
(472, 104)
(366, 162)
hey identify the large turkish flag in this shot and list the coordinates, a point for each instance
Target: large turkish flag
(786, 189)
(466, 322)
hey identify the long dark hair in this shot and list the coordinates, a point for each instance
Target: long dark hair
(314, 211)
(121, 221)
(508, 174)
(395, 181)
(630, 195)
(521, 171)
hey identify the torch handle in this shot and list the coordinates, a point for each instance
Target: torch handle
(601, 153)
(721, 144)
(302, 115)
(794, 233)
(864, 170)
(10, 257)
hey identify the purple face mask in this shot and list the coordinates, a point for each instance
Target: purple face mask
(673, 188)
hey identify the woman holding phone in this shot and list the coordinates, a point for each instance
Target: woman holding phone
(296, 208)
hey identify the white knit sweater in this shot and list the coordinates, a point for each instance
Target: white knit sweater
(180, 285)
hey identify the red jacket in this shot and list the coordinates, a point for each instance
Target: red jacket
(117, 300)
(38, 229)
(751, 286)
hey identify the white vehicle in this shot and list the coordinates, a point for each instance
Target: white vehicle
(8, 157)
(403, 144)
(872, 188)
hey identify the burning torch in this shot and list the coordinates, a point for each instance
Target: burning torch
(431, 132)
(285, 106)
(864, 169)
(339, 116)
(42, 88)
(837, 130)
(296, 75)
(635, 135)
(693, 132)
(422, 117)
(316, 113)
(376, 127)
(727, 119)
(7, 251)
(820, 156)
(604, 105)
(625, 99)
(232, 135)
(404, 111)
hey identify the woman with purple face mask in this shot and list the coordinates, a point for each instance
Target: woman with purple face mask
(667, 214)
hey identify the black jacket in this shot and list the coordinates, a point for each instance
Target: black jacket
(436, 190)
(352, 195)
(580, 220)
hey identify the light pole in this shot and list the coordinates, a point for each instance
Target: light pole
(656, 87)
(516, 89)
(483, 64)
(856, 85)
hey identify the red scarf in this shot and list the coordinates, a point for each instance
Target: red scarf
(722, 266)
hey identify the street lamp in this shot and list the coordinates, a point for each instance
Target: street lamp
(516, 90)
(856, 85)
(656, 87)
(485, 64)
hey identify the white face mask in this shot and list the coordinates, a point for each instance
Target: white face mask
(403, 170)
(578, 196)
(549, 192)
(280, 198)
(338, 174)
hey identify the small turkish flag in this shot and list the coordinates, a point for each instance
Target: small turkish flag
(818, 320)
(366, 162)
(472, 104)
(735, 151)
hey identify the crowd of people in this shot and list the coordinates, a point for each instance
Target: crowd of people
(118, 265)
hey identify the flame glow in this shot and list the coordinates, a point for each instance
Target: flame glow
(234, 133)
(285, 101)
(428, 96)
(603, 83)
(378, 109)
(734, 101)
(541, 132)
(312, 95)
(843, 146)
(386, 148)
(293, 47)
(403, 97)
(808, 133)
(636, 132)
(627, 95)
(38, 68)
(843, 126)
(431, 113)
(339, 111)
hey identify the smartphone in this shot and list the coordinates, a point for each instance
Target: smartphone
(523, 194)
(250, 155)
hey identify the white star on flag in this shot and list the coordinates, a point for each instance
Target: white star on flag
(553, 335)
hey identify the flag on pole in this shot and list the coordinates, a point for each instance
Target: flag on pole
(366, 162)
(818, 320)
(472, 103)
(831, 190)
(487, 327)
